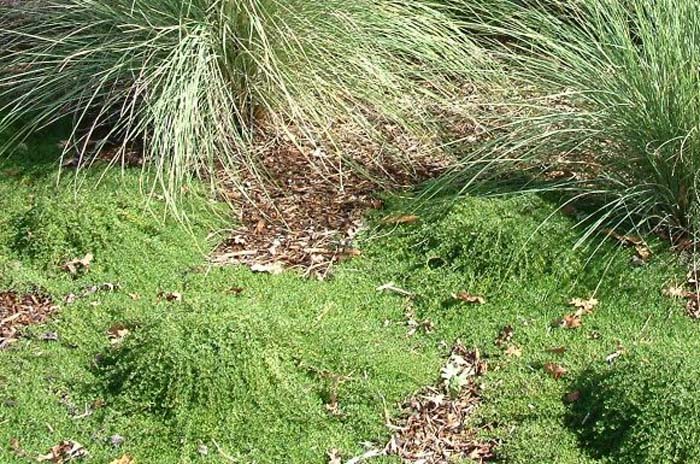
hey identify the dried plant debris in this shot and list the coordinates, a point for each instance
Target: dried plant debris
(65, 451)
(17, 311)
(557, 371)
(469, 298)
(77, 266)
(574, 320)
(642, 252)
(306, 217)
(91, 290)
(435, 427)
(690, 291)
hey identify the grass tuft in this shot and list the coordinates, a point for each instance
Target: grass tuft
(608, 89)
(193, 84)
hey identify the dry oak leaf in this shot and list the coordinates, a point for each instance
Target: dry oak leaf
(65, 451)
(572, 397)
(514, 351)
(116, 333)
(401, 219)
(78, 264)
(126, 459)
(469, 298)
(584, 306)
(555, 370)
(570, 321)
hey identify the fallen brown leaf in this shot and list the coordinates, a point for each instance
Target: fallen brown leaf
(77, 265)
(570, 321)
(572, 397)
(469, 298)
(65, 451)
(557, 350)
(643, 252)
(18, 311)
(311, 216)
(584, 306)
(434, 427)
(401, 219)
(125, 459)
(170, 296)
(514, 351)
(555, 370)
(117, 333)
(693, 307)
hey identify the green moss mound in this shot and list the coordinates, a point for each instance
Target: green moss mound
(204, 371)
(498, 237)
(645, 409)
(54, 230)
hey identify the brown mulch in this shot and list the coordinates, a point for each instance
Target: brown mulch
(303, 217)
(436, 427)
(18, 311)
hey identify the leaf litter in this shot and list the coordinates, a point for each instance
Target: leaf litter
(435, 426)
(574, 320)
(19, 311)
(306, 217)
(64, 452)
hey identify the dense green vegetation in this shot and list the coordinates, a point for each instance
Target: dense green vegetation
(251, 372)
(578, 117)
(643, 409)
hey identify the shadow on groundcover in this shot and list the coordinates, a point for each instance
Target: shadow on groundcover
(584, 414)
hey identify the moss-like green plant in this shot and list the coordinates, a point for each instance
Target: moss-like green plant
(645, 409)
(201, 369)
(496, 238)
(55, 229)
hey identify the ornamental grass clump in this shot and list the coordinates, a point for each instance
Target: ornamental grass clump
(192, 84)
(608, 89)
